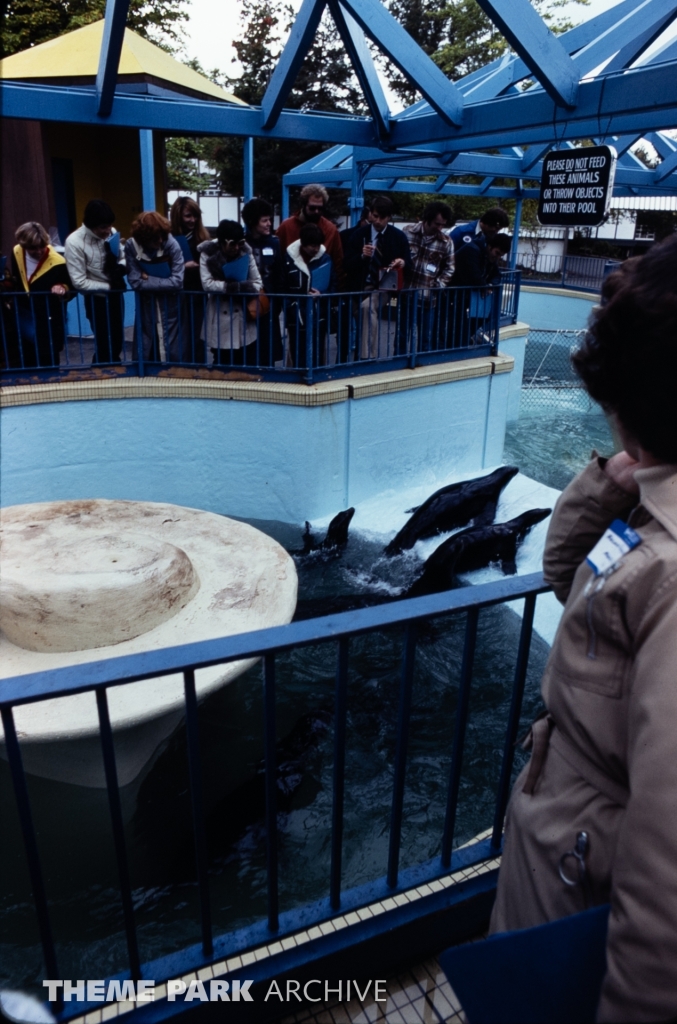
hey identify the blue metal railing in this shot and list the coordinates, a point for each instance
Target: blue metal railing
(98, 677)
(279, 337)
(583, 273)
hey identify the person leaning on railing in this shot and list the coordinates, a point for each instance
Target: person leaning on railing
(378, 260)
(230, 275)
(309, 271)
(190, 232)
(432, 267)
(602, 779)
(34, 322)
(155, 269)
(266, 249)
(96, 263)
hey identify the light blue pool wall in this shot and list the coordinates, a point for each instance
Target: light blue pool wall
(251, 459)
(267, 461)
(550, 310)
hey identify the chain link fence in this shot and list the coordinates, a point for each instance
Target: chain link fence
(549, 380)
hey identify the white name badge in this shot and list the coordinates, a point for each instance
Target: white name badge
(268, 252)
(612, 546)
(431, 268)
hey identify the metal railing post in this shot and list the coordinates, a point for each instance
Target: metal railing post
(199, 836)
(310, 331)
(340, 713)
(138, 332)
(271, 788)
(513, 718)
(406, 686)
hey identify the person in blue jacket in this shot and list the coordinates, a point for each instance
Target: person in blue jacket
(480, 231)
(309, 271)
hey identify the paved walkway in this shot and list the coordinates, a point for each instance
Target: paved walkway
(421, 995)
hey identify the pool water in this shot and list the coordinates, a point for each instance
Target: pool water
(73, 824)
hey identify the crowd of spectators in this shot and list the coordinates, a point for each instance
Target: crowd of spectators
(232, 299)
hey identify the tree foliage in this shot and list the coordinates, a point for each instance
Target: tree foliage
(181, 155)
(27, 23)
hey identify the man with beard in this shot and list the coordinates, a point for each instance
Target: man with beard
(311, 211)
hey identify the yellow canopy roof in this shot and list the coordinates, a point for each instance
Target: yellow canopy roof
(76, 55)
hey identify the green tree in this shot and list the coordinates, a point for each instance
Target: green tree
(27, 23)
(182, 172)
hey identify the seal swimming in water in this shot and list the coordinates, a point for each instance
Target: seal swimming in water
(470, 549)
(452, 506)
(336, 538)
(473, 549)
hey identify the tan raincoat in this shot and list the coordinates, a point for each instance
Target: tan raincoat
(605, 762)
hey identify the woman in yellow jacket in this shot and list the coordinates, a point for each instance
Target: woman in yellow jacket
(36, 318)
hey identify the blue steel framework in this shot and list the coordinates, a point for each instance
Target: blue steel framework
(472, 898)
(490, 108)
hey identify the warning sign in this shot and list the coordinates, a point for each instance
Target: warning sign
(576, 186)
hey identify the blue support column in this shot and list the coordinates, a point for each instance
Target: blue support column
(248, 169)
(516, 232)
(356, 193)
(109, 57)
(285, 201)
(147, 169)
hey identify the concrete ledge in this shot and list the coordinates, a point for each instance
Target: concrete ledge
(518, 330)
(325, 393)
(569, 293)
(169, 387)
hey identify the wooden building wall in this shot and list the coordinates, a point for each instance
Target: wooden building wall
(105, 162)
(26, 179)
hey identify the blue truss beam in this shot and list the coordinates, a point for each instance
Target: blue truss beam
(540, 50)
(640, 100)
(621, 143)
(109, 57)
(662, 143)
(393, 40)
(633, 176)
(590, 44)
(178, 117)
(668, 164)
(363, 66)
(572, 41)
(633, 50)
(287, 68)
(667, 52)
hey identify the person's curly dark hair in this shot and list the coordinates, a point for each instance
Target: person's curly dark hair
(628, 359)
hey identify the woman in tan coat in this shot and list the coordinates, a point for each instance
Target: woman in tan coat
(602, 779)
